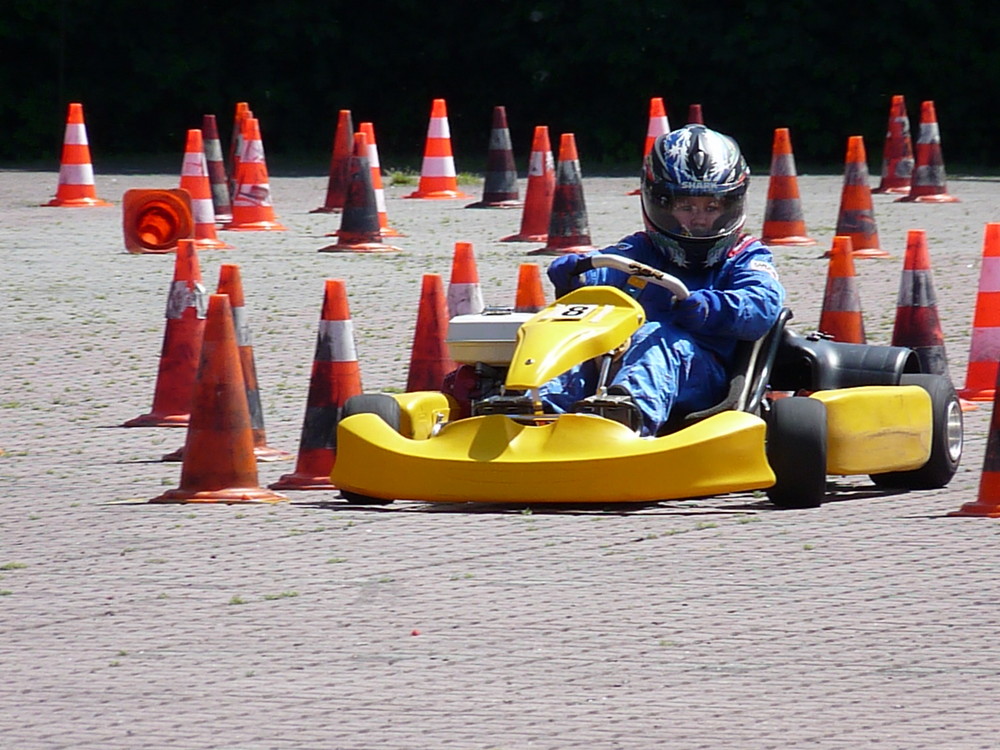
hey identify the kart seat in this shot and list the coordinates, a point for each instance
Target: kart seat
(749, 376)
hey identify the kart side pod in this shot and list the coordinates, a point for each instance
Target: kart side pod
(814, 363)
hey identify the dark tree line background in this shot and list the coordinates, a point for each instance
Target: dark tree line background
(146, 72)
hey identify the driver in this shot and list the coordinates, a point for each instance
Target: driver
(694, 182)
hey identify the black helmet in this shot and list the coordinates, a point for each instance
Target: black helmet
(685, 165)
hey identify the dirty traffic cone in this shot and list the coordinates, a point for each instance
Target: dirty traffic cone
(217, 179)
(340, 167)
(240, 117)
(465, 296)
(252, 209)
(917, 324)
(540, 191)
(76, 173)
(929, 183)
(219, 464)
(841, 316)
(359, 228)
(231, 285)
(530, 296)
(500, 185)
(335, 378)
(897, 154)
(194, 179)
(783, 220)
(430, 360)
(856, 218)
(376, 169)
(658, 125)
(438, 178)
(181, 344)
(154, 221)
(569, 231)
(987, 503)
(694, 115)
(984, 351)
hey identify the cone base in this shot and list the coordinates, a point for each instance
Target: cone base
(789, 240)
(966, 405)
(359, 247)
(902, 190)
(525, 238)
(256, 226)
(571, 250)
(637, 191)
(327, 210)
(390, 232)
(509, 203)
(438, 194)
(159, 420)
(138, 250)
(980, 509)
(303, 482)
(934, 198)
(212, 244)
(230, 495)
(78, 203)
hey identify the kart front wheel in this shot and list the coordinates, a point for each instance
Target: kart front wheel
(387, 408)
(796, 451)
(946, 438)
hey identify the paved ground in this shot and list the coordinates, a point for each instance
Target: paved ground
(716, 623)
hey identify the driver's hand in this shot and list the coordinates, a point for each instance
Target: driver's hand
(564, 275)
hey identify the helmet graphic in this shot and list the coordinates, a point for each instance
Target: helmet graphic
(694, 183)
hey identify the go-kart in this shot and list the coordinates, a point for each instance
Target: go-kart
(799, 408)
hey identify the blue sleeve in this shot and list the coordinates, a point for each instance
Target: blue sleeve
(747, 296)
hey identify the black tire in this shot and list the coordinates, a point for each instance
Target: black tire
(796, 451)
(946, 438)
(386, 407)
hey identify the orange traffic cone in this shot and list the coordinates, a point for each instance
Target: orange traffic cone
(76, 173)
(897, 154)
(335, 378)
(465, 296)
(181, 344)
(783, 221)
(359, 228)
(658, 125)
(539, 194)
(694, 115)
(987, 503)
(340, 168)
(430, 360)
(917, 324)
(194, 179)
(984, 351)
(530, 296)
(856, 218)
(376, 168)
(569, 231)
(252, 209)
(500, 185)
(217, 179)
(240, 117)
(841, 315)
(231, 285)
(929, 183)
(219, 464)
(438, 178)
(154, 221)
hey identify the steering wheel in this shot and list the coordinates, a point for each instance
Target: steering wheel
(634, 268)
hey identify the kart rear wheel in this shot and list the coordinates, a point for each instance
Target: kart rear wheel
(387, 408)
(946, 438)
(796, 451)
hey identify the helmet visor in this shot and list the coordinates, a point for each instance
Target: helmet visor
(701, 216)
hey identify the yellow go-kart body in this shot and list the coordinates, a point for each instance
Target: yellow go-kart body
(584, 458)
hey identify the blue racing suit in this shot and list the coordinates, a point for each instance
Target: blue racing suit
(674, 362)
